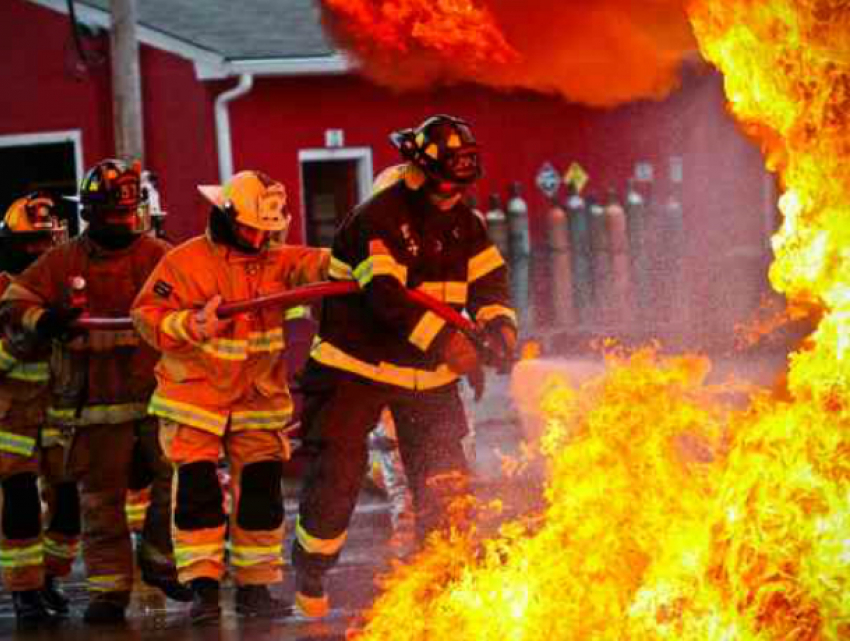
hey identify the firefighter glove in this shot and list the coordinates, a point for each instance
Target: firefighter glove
(460, 354)
(205, 323)
(501, 338)
(476, 381)
(57, 323)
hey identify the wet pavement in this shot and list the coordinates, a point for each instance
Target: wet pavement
(350, 584)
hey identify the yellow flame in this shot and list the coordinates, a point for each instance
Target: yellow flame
(668, 517)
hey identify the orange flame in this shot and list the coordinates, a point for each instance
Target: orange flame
(668, 515)
(553, 47)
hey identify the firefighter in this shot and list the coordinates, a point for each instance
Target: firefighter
(221, 383)
(377, 349)
(30, 559)
(102, 380)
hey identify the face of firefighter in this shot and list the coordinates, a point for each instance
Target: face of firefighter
(250, 239)
(445, 195)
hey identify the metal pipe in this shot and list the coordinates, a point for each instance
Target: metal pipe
(222, 124)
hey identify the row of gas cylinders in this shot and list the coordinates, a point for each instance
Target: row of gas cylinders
(612, 268)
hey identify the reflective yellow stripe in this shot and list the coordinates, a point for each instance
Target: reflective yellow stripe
(136, 512)
(450, 291)
(174, 325)
(50, 437)
(110, 583)
(489, 312)
(99, 414)
(380, 265)
(22, 557)
(484, 263)
(17, 444)
(340, 270)
(226, 349)
(244, 556)
(188, 414)
(186, 555)
(7, 361)
(315, 545)
(426, 330)
(271, 341)
(266, 419)
(294, 313)
(407, 377)
(60, 550)
(30, 372)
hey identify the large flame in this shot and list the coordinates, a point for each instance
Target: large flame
(602, 52)
(667, 516)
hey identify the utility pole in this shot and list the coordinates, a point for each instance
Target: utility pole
(126, 82)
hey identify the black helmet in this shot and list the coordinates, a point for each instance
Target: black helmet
(111, 185)
(443, 147)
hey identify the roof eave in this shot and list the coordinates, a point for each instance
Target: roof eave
(210, 65)
(330, 65)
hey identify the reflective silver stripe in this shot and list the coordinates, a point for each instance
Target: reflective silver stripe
(17, 444)
(271, 341)
(99, 414)
(186, 555)
(484, 263)
(246, 556)
(30, 372)
(188, 414)
(22, 557)
(407, 377)
(110, 583)
(315, 545)
(264, 419)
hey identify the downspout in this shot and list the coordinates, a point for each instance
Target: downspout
(222, 124)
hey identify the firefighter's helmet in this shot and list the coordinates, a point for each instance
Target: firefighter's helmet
(31, 216)
(110, 186)
(252, 199)
(443, 147)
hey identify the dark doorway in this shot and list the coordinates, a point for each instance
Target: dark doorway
(50, 167)
(330, 192)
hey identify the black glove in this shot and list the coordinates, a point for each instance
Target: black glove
(56, 323)
(501, 340)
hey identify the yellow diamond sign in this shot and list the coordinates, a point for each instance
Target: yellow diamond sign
(576, 176)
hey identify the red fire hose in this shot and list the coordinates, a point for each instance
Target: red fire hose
(294, 297)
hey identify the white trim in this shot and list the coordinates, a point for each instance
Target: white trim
(363, 156)
(223, 137)
(73, 136)
(334, 64)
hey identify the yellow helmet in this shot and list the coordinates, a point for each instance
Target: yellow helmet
(33, 214)
(252, 199)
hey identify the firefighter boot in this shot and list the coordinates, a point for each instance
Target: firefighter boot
(107, 608)
(163, 579)
(205, 601)
(310, 598)
(30, 610)
(257, 601)
(53, 597)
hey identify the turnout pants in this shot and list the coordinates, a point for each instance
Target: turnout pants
(430, 426)
(101, 459)
(256, 515)
(28, 551)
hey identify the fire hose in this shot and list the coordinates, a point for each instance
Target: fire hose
(312, 293)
